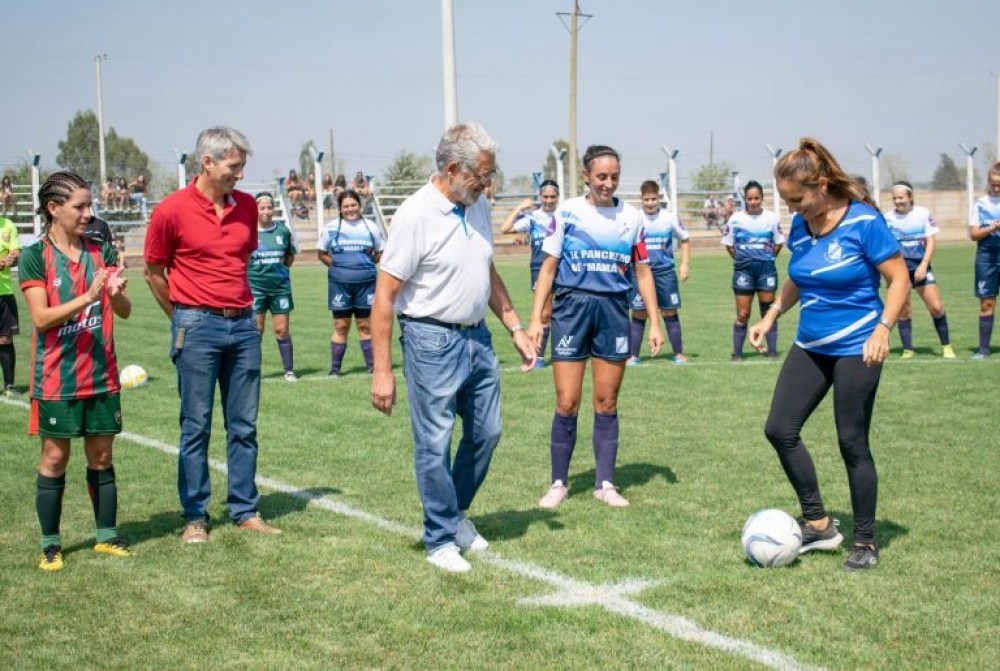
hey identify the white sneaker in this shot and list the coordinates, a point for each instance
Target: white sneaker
(447, 558)
(290, 376)
(557, 494)
(467, 538)
(609, 495)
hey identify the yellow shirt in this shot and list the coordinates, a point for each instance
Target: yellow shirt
(9, 242)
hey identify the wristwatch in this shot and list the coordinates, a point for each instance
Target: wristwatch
(886, 323)
(515, 328)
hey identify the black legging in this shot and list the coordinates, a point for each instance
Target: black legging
(804, 380)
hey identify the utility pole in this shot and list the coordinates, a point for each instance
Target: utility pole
(876, 184)
(774, 153)
(574, 29)
(448, 54)
(100, 119)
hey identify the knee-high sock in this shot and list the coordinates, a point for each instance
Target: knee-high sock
(8, 359)
(906, 332)
(605, 446)
(366, 350)
(561, 445)
(48, 504)
(336, 356)
(673, 324)
(285, 349)
(941, 326)
(635, 336)
(104, 498)
(545, 341)
(739, 336)
(985, 333)
(771, 336)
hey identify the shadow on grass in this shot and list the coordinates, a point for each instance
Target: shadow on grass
(508, 524)
(627, 475)
(273, 505)
(886, 531)
(301, 372)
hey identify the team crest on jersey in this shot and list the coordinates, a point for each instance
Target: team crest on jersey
(834, 253)
(5, 236)
(57, 282)
(621, 345)
(278, 239)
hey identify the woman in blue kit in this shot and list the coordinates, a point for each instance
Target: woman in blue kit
(536, 221)
(589, 251)
(840, 246)
(350, 247)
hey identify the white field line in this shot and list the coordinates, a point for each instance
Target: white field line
(569, 592)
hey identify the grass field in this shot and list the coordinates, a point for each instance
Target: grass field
(659, 585)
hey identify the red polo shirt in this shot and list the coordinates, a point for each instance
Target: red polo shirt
(206, 257)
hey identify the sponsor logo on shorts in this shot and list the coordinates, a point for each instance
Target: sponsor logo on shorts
(982, 285)
(118, 417)
(52, 421)
(565, 346)
(370, 298)
(742, 280)
(283, 303)
(675, 298)
(621, 345)
(770, 281)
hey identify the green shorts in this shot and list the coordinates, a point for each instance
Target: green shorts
(94, 416)
(276, 304)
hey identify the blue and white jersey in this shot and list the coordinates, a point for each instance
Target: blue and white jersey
(351, 246)
(838, 280)
(596, 245)
(987, 211)
(661, 230)
(535, 223)
(912, 230)
(753, 237)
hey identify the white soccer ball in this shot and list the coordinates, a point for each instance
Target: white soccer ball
(771, 538)
(132, 377)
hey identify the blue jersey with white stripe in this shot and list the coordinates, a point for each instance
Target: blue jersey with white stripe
(753, 237)
(596, 245)
(912, 230)
(987, 211)
(536, 224)
(352, 246)
(663, 230)
(838, 280)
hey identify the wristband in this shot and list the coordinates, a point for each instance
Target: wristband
(515, 328)
(886, 323)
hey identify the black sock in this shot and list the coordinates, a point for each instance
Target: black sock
(48, 504)
(8, 358)
(104, 497)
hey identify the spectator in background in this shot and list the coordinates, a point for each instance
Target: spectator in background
(99, 233)
(710, 211)
(138, 190)
(7, 197)
(293, 187)
(339, 186)
(726, 210)
(121, 194)
(308, 187)
(361, 185)
(108, 194)
(328, 196)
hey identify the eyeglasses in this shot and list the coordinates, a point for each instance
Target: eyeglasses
(482, 179)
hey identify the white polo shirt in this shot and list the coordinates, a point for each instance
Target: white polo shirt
(442, 258)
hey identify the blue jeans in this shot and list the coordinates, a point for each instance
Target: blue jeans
(450, 372)
(206, 349)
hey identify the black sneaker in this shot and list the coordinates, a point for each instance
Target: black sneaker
(814, 539)
(861, 558)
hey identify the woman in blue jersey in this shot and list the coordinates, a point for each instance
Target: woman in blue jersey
(597, 239)
(536, 221)
(662, 228)
(984, 229)
(350, 247)
(753, 238)
(840, 246)
(915, 229)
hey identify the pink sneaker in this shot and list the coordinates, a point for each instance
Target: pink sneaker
(557, 494)
(609, 495)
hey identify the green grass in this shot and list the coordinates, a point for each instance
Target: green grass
(340, 592)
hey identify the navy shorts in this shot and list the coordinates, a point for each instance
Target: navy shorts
(668, 295)
(586, 324)
(911, 266)
(755, 276)
(346, 299)
(987, 272)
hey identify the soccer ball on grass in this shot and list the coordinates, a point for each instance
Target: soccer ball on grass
(771, 538)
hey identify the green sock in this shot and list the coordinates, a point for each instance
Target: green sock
(104, 497)
(48, 504)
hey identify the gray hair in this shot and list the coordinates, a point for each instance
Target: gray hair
(218, 141)
(463, 143)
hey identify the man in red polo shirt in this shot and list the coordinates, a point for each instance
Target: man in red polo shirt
(198, 246)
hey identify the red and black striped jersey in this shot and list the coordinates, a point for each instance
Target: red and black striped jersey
(75, 359)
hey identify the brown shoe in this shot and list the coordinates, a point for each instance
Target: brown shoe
(257, 523)
(195, 531)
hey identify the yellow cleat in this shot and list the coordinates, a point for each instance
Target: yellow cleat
(52, 559)
(908, 354)
(947, 351)
(115, 547)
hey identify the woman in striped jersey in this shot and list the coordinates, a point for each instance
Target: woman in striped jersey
(73, 289)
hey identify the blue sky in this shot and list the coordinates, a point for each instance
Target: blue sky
(915, 77)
